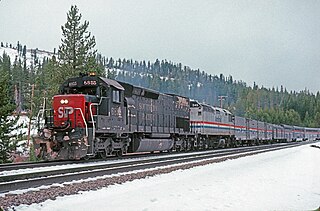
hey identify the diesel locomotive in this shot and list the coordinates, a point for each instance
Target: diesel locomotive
(95, 116)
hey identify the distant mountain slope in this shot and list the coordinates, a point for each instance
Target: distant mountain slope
(275, 105)
(168, 77)
(32, 56)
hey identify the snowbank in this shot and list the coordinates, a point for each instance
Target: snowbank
(281, 180)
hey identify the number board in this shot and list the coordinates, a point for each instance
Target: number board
(89, 83)
(73, 83)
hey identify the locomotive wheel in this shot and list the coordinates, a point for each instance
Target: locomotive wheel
(102, 154)
(119, 153)
(86, 157)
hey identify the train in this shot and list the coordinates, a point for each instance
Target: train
(94, 116)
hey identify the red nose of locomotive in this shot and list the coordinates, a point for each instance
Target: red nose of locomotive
(69, 110)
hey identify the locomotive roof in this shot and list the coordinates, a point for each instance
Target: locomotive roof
(131, 89)
(79, 81)
(113, 83)
(221, 109)
(213, 107)
(287, 126)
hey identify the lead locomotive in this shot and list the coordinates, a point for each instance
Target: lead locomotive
(99, 116)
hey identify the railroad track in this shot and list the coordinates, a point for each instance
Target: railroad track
(39, 164)
(25, 165)
(36, 179)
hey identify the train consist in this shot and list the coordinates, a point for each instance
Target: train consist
(94, 116)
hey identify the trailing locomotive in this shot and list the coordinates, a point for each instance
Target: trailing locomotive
(95, 116)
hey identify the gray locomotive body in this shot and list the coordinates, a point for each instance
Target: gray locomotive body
(156, 121)
(213, 126)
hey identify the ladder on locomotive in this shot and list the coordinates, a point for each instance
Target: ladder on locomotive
(44, 119)
(93, 118)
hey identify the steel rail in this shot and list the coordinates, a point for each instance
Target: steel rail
(26, 165)
(39, 164)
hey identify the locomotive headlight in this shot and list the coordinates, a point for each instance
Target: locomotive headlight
(64, 101)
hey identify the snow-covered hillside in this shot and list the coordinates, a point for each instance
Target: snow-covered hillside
(31, 55)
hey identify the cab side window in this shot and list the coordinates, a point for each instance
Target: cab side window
(116, 96)
(103, 91)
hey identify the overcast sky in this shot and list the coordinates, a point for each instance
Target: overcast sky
(270, 42)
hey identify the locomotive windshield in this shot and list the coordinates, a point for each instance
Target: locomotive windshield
(83, 90)
(85, 85)
(194, 104)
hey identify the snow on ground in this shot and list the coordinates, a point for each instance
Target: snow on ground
(21, 127)
(282, 180)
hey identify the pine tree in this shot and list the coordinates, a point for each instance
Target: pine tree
(6, 107)
(18, 82)
(76, 52)
(24, 51)
(111, 74)
(46, 81)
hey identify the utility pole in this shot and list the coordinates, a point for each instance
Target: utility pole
(30, 116)
(221, 98)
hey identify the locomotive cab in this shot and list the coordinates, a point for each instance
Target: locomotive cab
(102, 101)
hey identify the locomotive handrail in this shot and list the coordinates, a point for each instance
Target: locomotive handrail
(84, 120)
(43, 108)
(93, 127)
(41, 111)
(93, 123)
(38, 115)
(91, 114)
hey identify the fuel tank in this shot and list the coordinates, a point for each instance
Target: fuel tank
(152, 144)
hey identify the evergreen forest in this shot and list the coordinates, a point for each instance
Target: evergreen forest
(275, 105)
